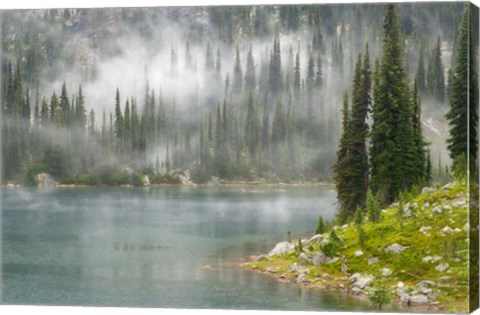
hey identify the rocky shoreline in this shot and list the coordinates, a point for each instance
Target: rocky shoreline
(422, 297)
(415, 254)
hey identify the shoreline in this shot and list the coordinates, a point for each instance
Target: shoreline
(194, 185)
(337, 285)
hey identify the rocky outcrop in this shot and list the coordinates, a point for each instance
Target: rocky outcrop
(185, 178)
(46, 180)
(282, 248)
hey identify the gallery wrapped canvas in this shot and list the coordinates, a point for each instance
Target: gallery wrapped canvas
(315, 157)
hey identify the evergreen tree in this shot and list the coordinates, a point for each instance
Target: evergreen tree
(119, 124)
(320, 229)
(373, 207)
(319, 74)
(252, 128)
(421, 71)
(297, 85)
(436, 79)
(250, 79)
(392, 133)
(218, 66)
(275, 73)
(237, 75)
(358, 161)
(342, 184)
(209, 64)
(420, 159)
(91, 125)
(64, 112)
(463, 113)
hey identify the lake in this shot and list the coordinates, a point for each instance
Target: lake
(145, 247)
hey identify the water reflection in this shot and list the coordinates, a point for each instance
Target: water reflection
(149, 247)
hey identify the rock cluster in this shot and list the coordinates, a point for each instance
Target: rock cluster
(423, 294)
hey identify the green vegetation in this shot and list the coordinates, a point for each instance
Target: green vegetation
(433, 231)
(463, 114)
(380, 296)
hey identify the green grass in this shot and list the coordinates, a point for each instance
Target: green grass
(406, 266)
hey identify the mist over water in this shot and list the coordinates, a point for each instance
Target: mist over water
(146, 247)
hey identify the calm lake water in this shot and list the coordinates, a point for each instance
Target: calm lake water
(145, 247)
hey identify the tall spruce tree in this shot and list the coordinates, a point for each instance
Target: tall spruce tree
(237, 74)
(392, 131)
(355, 164)
(342, 184)
(421, 70)
(250, 79)
(463, 113)
(436, 77)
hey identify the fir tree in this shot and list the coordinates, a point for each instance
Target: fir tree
(252, 128)
(342, 184)
(250, 79)
(275, 73)
(392, 133)
(436, 79)
(463, 113)
(296, 80)
(421, 71)
(237, 75)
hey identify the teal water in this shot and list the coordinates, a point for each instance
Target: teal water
(145, 247)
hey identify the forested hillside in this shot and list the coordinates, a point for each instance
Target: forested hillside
(103, 96)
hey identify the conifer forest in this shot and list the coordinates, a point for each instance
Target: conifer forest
(362, 95)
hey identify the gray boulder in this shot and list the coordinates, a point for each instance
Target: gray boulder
(410, 209)
(395, 248)
(319, 259)
(372, 260)
(418, 299)
(358, 253)
(386, 272)
(360, 281)
(437, 210)
(185, 178)
(424, 230)
(46, 180)
(447, 230)
(304, 259)
(442, 267)
(404, 298)
(460, 203)
(282, 248)
(146, 181)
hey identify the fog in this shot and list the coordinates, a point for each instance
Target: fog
(184, 59)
